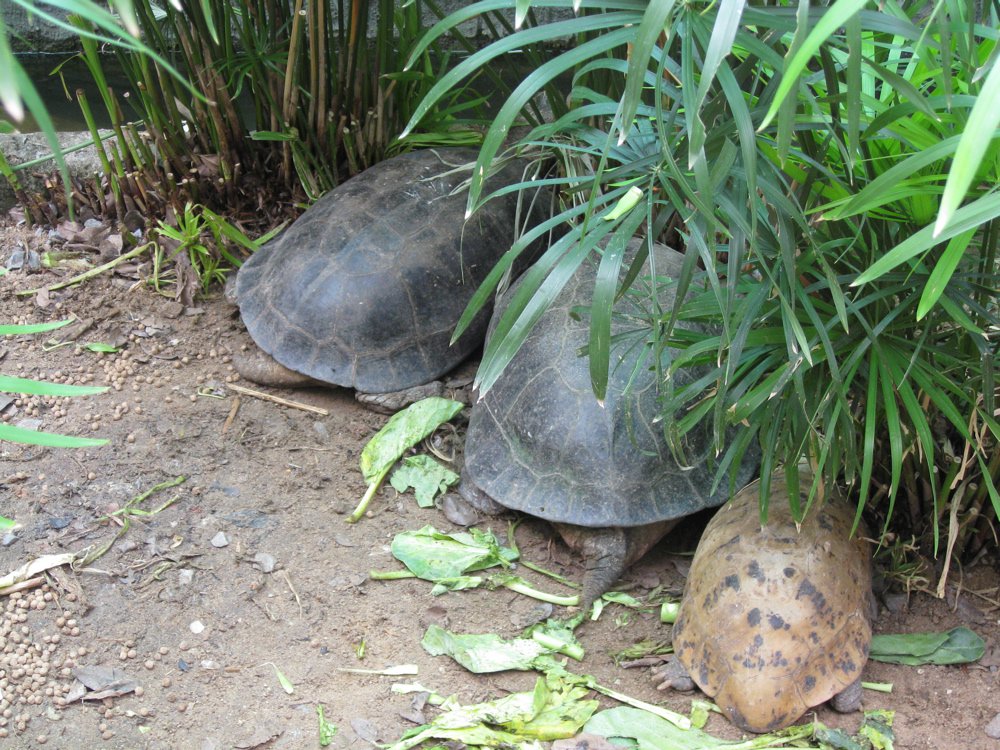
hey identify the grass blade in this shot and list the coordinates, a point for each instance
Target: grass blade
(10, 384)
(968, 217)
(832, 19)
(942, 272)
(48, 439)
(979, 134)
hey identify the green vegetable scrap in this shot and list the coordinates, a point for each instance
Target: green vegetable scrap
(434, 555)
(558, 636)
(8, 524)
(490, 653)
(285, 683)
(957, 646)
(403, 430)
(553, 710)
(669, 612)
(101, 348)
(484, 652)
(447, 559)
(653, 733)
(877, 729)
(837, 739)
(875, 734)
(327, 730)
(642, 649)
(427, 477)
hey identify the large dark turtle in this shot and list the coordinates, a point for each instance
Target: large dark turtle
(539, 441)
(776, 619)
(365, 288)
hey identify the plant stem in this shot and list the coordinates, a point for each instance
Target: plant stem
(87, 274)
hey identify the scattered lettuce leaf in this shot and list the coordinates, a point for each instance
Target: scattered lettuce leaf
(480, 653)
(956, 646)
(433, 555)
(550, 711)
(877, 729)
(427, 477)
(403, 430)
(837, 739)
(327, 729)
(653, 733)
(620, 597)
(446, 559)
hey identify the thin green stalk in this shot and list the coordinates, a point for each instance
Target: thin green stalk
(97, 271)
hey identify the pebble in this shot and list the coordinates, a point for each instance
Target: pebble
(220, 540)
(993, 728)
(197, 627)
(264, 561)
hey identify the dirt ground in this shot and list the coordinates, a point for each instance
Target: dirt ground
(253, 567)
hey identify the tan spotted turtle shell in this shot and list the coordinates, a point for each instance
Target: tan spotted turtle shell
(775, 620)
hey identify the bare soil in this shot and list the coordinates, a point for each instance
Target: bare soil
(277, 482)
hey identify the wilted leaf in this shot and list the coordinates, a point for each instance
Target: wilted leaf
(957, 646)
(99, 682)
(427, 477)
(394, 671)
(36, 566)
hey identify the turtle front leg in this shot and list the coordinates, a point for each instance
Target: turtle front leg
(848, 700)
(606, 555)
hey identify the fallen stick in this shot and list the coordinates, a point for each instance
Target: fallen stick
(278, 400)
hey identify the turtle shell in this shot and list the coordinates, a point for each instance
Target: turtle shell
(775, 619)
(540, 442)
(365, 288)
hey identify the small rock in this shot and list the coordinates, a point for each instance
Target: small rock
(539, 613)
(185, 576)
(993, 728)
(173, 309)
(28, 424)
(8, 539)
(365, 730)
(895, 602)
(320, 429)
(220, 540)
(457, 510)
(197, 627)
(264, 561)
